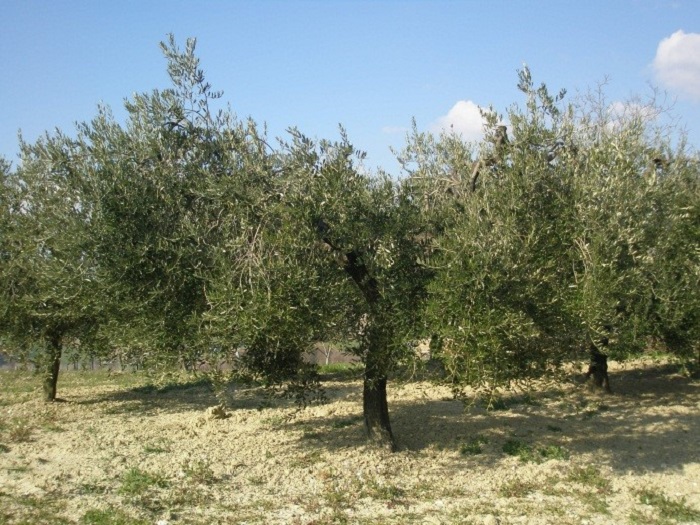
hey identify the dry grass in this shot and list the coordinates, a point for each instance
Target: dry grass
(121, 452)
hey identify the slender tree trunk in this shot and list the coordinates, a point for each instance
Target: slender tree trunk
(54, 348)
(598, 367)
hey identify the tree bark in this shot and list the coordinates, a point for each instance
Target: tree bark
(376, 410)
(54, 347)
(375, 406)
(598, 368)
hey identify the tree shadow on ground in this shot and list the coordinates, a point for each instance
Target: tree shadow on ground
(650, 423)
(197, 394)
(177, 397)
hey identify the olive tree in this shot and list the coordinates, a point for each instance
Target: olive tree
(630, 184)
(500, 211)
(162, 185)
(366, 232)
(554, 240)
(49, 278)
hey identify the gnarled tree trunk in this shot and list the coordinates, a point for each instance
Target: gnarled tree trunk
(376, 412)
(375, 406)
(374, 400)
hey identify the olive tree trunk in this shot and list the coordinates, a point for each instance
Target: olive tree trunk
(598, 368)
(374, 402)
(51, 365)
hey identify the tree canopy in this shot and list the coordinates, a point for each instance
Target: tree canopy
(185, 236)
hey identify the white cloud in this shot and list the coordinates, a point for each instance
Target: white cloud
(624, 111)
(464, 118)
(677, 63)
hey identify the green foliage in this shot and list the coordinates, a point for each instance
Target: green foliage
(553, 452)
(668, 508)
(555, 239)
(110, 516)
(48, 277)
(182, 239)
(500, 264)
(136, 481)
(29, 509)
(473, 446)
(17, 430)
(518, 488)
(525, 452)
(199, 471)
(591, 477)
(366, 230)
(514, 447)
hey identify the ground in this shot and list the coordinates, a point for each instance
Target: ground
(118, 451)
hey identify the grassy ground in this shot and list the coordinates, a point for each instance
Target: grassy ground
(119, 450)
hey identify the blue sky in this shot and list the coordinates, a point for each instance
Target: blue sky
(371, 66)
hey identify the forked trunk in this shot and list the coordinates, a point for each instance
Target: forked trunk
(52, 365)
(376, 410)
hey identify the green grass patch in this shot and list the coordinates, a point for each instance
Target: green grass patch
(595, 502)
(256, 480)
(668, 508)
(20, 470)
(525, 452)
(473, 446)
(16, 430)
(553, 452)
(590, 476)
(381, 491)
(200, 472)
(31, 510)
(341, 370)
(514, 447)
(155, 449)
(136, 481)
(92, 488)
(109, 516)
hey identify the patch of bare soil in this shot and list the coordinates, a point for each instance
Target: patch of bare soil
(116, 454)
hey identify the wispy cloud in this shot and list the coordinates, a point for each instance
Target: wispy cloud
(463, 118)
(622, 111)
(677, 63)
